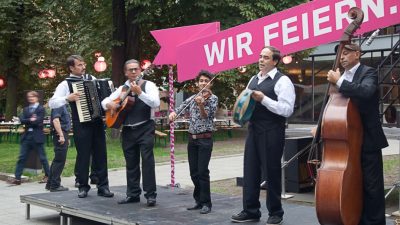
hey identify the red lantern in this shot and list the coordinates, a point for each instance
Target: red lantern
(242, 69)
(3, 82)
(100, 65)
(42, 74)
(287, 59)
(51, 73)
(145, 64)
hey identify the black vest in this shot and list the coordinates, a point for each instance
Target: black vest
(140, 112)
(261, 114)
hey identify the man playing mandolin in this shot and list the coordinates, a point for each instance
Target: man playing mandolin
(137, 132)
(274, 95)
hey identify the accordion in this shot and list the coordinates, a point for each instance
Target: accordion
(92, 92)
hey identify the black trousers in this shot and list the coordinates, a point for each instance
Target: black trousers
(138, 141)
(57, 166)
(373, 189)
(263, 149)
(90, 140)
(199, 154)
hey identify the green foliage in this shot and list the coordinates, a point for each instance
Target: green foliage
(44, 32)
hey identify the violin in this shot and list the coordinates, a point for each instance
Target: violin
(203, 96)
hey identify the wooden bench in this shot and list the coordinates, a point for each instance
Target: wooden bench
(229, 129)
(184, 131)
(161, 135)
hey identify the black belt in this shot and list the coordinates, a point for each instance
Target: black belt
(200, 136)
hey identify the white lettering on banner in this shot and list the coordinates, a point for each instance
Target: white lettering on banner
(319, 20)
(340, 15)
(215, 52)
(293, 29)
(267, 35)
(230, 48)
(243, 45)
(378, 8)
(304, 18)
(286, 30)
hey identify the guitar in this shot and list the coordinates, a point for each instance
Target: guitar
(114, 119)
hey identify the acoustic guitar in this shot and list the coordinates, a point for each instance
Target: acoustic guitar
(114, 119)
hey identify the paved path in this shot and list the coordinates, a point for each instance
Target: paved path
(12, 212)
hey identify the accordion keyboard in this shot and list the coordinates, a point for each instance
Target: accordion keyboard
(86, 105)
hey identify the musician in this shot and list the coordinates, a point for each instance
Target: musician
(61, 124)
(137, 132)
(89, 136)
(92, 176)
(202, 109)
(360, 84)
(33, 138)
(274, 95)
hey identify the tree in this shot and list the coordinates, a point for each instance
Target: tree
(38, 34)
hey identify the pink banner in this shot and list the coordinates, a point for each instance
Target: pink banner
(292, 30)
(170, 38)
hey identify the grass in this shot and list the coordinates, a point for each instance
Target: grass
(9, 152)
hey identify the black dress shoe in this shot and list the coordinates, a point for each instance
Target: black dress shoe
(195, 207)
(14, 181)
(60, 188)
(205, 210)
(105, 193)
(129, 200)
(243, 217)
(151, 201)
(82, 194)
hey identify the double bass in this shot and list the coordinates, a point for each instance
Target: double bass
(338, 193)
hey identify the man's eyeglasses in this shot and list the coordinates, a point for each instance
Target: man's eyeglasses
(133, 69)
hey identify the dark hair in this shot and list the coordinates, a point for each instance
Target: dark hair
(204, 73)
(33, 93)
(71, 60)
(131, 61)
(276, 54)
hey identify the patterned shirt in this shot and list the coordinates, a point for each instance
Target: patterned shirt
(197, 124)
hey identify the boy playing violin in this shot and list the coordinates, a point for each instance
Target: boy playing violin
(202, 107)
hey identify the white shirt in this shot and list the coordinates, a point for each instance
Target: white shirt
(61, 92)
(348, 75)
(283, 89)
(150, 96)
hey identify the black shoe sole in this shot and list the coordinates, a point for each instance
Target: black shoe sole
(128, 202)
(244, 221)
(104, 195)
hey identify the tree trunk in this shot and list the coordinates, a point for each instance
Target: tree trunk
(11, 99)
(13, 62)
(133, 34)
(118, 50)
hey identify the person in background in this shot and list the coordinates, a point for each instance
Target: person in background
(275, 96)
(33, 138)
(137, 133)
(61, 124)
(201, 126)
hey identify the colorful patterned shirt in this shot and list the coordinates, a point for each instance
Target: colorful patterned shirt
(197, 124)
